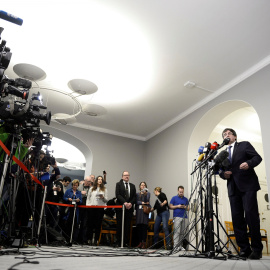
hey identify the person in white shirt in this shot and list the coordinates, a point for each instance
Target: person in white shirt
(97, 195)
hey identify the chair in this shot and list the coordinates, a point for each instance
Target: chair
(230, 232)
(264, 238)
(231, 235)
(108, 226)
(150, 232)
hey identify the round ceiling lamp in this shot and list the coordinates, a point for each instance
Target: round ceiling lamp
(93, 110)
(82, 87)
(29, 72)
(61, 160)
(64, 119)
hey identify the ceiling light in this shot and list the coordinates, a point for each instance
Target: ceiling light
(83, 87)
(61, 160)
(29, 72)
(93, 110)
(71, 167)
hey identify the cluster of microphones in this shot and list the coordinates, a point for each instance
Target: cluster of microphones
(209, 155)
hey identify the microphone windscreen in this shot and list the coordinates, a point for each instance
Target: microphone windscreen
(200, 150)
(200, 157)
(221, 156)
(226, 162)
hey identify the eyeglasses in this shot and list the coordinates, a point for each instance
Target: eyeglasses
(228, 133)
(126, 175)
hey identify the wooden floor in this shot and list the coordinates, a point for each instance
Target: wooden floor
(85, 257)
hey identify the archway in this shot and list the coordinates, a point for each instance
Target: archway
(242, 117)
(74, 141)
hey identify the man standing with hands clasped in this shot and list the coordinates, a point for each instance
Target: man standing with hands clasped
(125, 193)
(243, 184)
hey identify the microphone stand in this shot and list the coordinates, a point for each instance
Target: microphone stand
(213, 248)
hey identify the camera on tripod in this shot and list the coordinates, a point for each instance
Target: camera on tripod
(23, 112)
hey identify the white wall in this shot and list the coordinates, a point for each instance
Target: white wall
(105, 152)
(169, 154)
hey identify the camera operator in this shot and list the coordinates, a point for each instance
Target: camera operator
(54, 194)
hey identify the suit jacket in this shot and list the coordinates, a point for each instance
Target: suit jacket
(120, 193)
(245, 180)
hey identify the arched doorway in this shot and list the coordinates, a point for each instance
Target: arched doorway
(75, 142)
(242, 117)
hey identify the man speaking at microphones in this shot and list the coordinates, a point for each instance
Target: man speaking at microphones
(243, 184)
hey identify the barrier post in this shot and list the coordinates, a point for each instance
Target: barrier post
(123, 223)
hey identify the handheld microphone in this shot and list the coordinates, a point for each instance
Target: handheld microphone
(10, 18)
(144, 190)
(225, 142)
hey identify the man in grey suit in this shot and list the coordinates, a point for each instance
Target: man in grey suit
(125, 193)
(243, 184)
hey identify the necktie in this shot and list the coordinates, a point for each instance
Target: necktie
(230, 153)
(127, 193)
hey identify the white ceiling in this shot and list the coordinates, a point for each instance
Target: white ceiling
(139, 54)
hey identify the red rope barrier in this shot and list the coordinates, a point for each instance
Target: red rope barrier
(22, 166)
(85, 206)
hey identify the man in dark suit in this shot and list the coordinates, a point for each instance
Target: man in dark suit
(125, 193)
(243, 184)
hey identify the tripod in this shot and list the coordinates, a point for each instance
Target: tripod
(10, 183)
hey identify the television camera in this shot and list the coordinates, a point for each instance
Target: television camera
(17, 109)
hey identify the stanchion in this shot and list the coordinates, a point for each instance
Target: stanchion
(123, 225)
(74, 214)
(41, 216)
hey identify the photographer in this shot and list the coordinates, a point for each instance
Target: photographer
(54, 194)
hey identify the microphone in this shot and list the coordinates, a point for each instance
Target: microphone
(207, 148)
(219, 160)
(200, 150)
(213, 148)
(225, 142)
(222, 156)
(226, 163)
(214, 145)
(144, 190)
(200, 158)
(10, 18)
